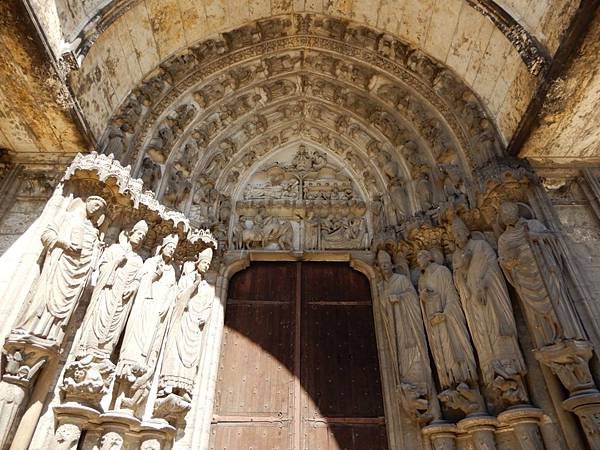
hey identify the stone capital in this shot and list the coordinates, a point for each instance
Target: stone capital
(569, 361)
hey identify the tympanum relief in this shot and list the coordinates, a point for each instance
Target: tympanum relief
(300, 199)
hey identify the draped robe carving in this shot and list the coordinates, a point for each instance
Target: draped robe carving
(405, 336)
(183, 349)
(145, 329)
(72, 248)
(517, 256)
(486, 303)
(119, 275)
(445, 325)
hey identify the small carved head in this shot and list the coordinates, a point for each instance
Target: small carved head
(460, 232)
(204, 259)
(509, 213)
(168, 245)
(424, 258)
(384, 261)
(138, 233)
(95, 207)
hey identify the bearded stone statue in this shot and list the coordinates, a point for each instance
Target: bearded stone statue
(146, 326)
(486, 303)
(71, 250)
(448, 335)
(521, 256)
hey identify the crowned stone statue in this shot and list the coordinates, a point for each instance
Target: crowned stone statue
(184, 341)
(146, 325)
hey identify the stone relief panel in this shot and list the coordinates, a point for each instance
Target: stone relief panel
(300, 199)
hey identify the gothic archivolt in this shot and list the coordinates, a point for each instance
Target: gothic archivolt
(355, 147)
(411, 128)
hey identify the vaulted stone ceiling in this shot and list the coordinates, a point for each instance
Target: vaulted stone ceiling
(104, 50)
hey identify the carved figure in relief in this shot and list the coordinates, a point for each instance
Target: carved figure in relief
(184, 342)
(486, 303)
(144, 334)
(516, 247)
(405, 339)
(150, 173)
(279, 232)
(448, 335)
(453, 185)
(118, 280)
(178, 190)
(115, 143)
(399, 196)
(423, 187)
(111, 441)
(71, 249)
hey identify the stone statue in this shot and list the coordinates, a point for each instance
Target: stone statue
(184, 342)
(486, 303)
(144, 333)
(118, 281)
(517, 257)
(448, 335)
(71, 249)
(405, 337)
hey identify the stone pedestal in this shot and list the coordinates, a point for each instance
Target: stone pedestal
(441, 434)
(587, 407)
(116, 430)
(524, 422)
(480, 429)
(71, 419)
(569, 361)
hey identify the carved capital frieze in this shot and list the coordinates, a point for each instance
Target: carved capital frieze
(569, 361)
(24, 356)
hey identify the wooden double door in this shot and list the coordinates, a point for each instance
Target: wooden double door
(299, 367)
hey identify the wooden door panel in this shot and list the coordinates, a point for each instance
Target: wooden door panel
(323, 281)
(256, 368)
(264, 281)
(343, 437)
(299, 367)
(250, 437)
(340, 368)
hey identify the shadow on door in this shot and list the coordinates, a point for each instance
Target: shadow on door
(299, 367)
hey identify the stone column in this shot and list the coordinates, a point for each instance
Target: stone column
(524, 422)
(569, 361)
(441, 434)
(480, 429)
(25, 359)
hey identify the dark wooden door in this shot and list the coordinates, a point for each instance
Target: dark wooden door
(299, 367)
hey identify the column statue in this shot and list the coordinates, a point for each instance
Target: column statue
(406, 341)
(119, 274)
(486, 303)
(184, 342)
(88, 377)
(517, 257)
(448, 336)
(71, 249)
(531, 258)
(145, 329)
